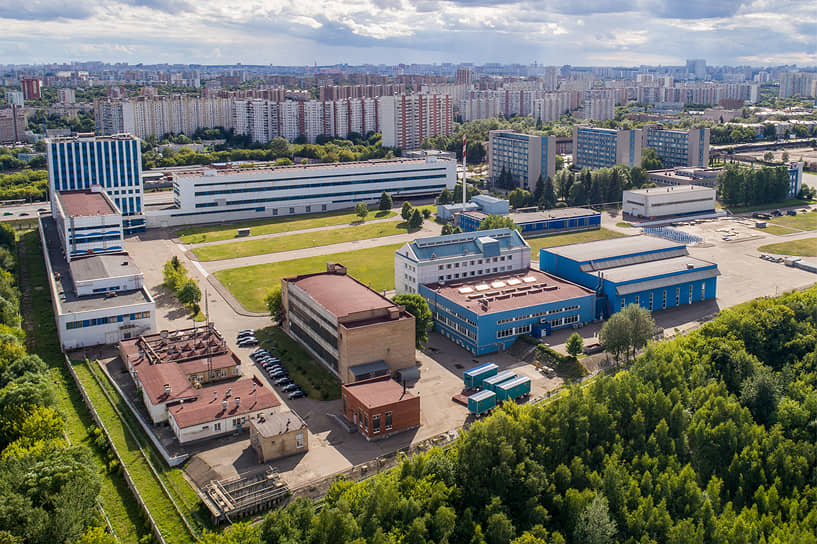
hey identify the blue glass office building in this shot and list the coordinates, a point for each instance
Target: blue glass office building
(113, 162)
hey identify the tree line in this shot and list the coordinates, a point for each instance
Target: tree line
(48, 488)
(709, 437)
(27, 184)
(740, 186)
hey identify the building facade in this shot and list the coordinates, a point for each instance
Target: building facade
(679, 148)
(668, 201)
(31, 87)
(12, 124)
(485, 315)
(795, 170)
(113, 163)
(278, 435)
(603, 148)
(355, 331)
(406, 120)
(524, 156)
(455, 257)
(380, 407)
(651, 272)
(88, 223)
(211, 195)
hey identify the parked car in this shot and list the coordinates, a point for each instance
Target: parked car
(278, 374)
(291, 387)
(285, 380)
(247, 343)
(273, 368)
(247, 331)
(297, 394)
(241, 337)
(256, 356)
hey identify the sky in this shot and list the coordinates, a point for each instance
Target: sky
(299, 32)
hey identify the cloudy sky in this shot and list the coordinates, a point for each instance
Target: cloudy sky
(579, 32)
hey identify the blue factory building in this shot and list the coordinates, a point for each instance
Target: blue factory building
(487, 314)
(539, 223)
(651, 272)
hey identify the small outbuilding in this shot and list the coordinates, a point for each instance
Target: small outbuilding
(380, 407)
(278, 435)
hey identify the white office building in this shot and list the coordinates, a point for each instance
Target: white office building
(212, 196)
(98, 299)
(667, 201)
(454, 257)
(88, 222)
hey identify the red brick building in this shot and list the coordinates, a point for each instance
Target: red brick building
(380, 407)
(31, 87)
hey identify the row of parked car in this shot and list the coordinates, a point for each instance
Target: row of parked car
(246, 339)
(277, 373)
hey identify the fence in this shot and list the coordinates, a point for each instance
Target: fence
(131, 485)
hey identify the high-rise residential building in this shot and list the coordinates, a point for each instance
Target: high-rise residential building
(798, 83)
(66, 96)
(148, 115)
(595, 147)
(551, 78)
(678, 147)
(31, 87)
(12, 124)
(465, 76)
(697, 67)
(406, 120)
(599, 105)
(15, 98)
(112, 162)
(524, 156)
(341, 92)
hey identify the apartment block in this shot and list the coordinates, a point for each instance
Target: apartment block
(407, 120)
(679, 148)
(12, 124)
(595, 147)
(526, 157)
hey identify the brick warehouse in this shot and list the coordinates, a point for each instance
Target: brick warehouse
(380, 407)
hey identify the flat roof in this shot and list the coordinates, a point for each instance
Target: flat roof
(545, 215)
(278, 424)
(85, 204)
(378, 391)
(616, 247)
(98, 267)
(463, 243)
(687, 188)
(654, 268)
(509, 291)
(341, 294)
(214, 172)
(209, 406)
(68, 301)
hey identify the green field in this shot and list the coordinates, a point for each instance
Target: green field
(213, 233)
(804, 248)
(770, 206)
(250, 284)
(777, 230)
(314, 378)
(260, 246)
(802, 221)
(115, 498)
(570, 238)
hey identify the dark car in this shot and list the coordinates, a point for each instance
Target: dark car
(291, 387)
(297, 394)
(278, 374)
(286, 380)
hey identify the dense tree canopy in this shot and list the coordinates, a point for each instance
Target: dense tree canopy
(741, 186)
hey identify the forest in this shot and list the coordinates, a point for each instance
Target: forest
(741, 186)
(48, 488)
(709, 437)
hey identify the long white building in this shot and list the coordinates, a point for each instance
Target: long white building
(666, 201)
(212, 196)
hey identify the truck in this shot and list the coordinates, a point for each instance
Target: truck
(491, 383)
(481, 402)
(513, 389)
(473, 377)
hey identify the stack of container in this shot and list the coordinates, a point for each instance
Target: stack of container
(474, 377)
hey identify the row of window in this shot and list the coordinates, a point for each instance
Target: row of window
(477, 261)
(300, 178)
(473, 273)
(690, 299)
(106, 320)
(538, 314)
(462, 329)
(311, 185)
(513, 331)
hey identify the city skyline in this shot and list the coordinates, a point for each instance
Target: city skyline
(599, 33)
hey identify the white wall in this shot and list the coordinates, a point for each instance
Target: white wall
(109, 333)
(207, 430)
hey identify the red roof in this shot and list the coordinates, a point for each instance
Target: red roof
(85, 204)
(154, 377)
(379, 391)
(209, 404)
(341, 294)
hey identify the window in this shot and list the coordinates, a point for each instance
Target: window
(448, 266)
(323, 207)
(275, 211)
(299, 440)
(623, 303)
(664, 299)
(292, 210)
(677, 296)
(308, 209)
(650, 300)
(703, 290)
(388, 421)
(690, 295)
(376, 423)
(636, 300)
(366, 421)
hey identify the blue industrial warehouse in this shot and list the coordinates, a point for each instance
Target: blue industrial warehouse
(539, 223)
(487, 314)
(651, 272)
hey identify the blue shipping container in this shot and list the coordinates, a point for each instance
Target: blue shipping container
(513, 389)
(492, 382)
(473, 377)
(481, 402)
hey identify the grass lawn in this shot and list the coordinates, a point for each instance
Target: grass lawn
(803, 221)
(212, 233)
(250, 284)
(314, 378)
(570, 238)
(298, 241)
(770, 206)
(623, 224)
(804, 248)
(776, 229)
(115, 497)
